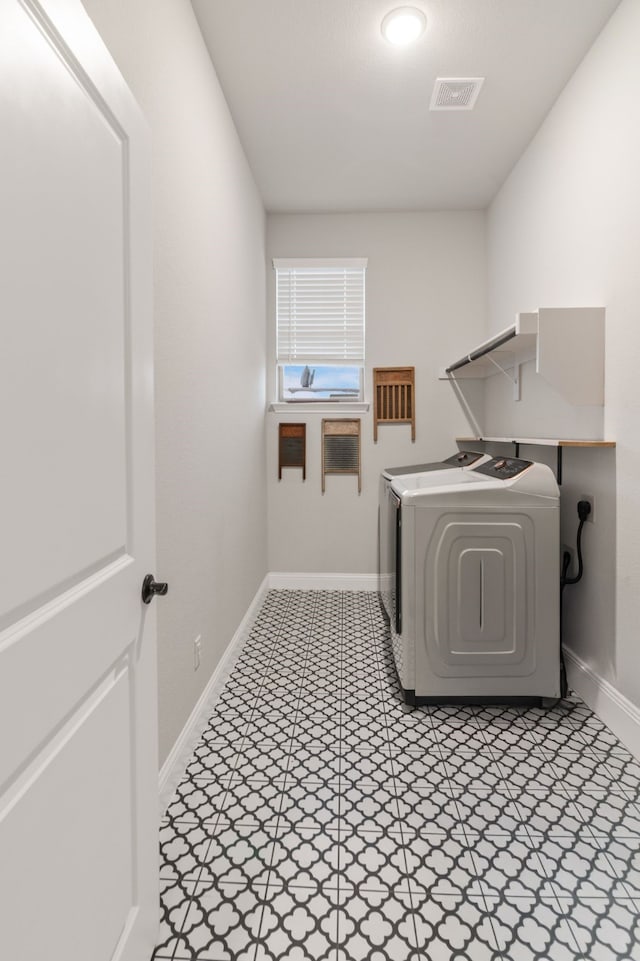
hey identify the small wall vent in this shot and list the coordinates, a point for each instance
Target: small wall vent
(455, 93)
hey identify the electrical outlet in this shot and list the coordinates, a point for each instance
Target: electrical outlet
(197, 650)
(590, 497)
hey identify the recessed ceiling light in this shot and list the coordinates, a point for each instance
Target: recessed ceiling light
(404, 25)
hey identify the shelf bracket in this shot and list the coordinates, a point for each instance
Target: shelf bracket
(515, 379)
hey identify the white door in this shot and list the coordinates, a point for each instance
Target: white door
(78, 756)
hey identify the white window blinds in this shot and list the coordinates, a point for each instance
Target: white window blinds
(320, 311)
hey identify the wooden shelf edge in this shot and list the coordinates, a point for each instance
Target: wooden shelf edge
(537, 441)
(586, 443)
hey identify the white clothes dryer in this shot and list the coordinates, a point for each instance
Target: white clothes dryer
(477, 614)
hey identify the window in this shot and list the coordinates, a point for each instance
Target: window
(320, 329)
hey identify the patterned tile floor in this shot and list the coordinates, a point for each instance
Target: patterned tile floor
(322, 819)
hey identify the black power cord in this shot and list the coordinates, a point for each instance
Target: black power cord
(584, 509)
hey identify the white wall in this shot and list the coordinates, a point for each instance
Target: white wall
(565, 231)
(209, 348)
(425, 294)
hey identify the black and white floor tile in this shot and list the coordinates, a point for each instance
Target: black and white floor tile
(320, 819)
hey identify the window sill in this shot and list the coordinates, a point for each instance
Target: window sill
(319, 407)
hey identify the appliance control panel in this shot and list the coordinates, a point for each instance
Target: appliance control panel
(503, 468)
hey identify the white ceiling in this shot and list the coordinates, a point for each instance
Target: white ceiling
(332, 117)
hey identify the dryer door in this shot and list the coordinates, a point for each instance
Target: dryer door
(478, 578)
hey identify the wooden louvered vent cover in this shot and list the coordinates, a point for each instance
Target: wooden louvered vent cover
(292, 447)
(341, 448)
(394, 397)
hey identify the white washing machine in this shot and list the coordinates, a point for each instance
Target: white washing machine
(388, 514)
(477, 563)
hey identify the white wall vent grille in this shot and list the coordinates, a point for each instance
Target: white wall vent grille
(455, 93)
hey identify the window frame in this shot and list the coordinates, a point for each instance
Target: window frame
(354, 308)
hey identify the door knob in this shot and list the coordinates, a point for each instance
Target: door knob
(150, 588)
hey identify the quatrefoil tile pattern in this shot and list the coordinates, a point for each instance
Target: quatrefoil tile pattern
(321, 819)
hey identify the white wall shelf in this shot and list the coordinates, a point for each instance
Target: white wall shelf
(567, 344)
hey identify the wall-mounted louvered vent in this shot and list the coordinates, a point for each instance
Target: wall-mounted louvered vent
(455, 93)
(341, 448)
(394, 397)
(292, 447)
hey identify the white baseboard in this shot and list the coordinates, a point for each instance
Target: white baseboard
(173, 769)
(281, 580)
(617, 711)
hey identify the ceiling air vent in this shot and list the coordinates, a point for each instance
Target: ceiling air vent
(455, 93)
